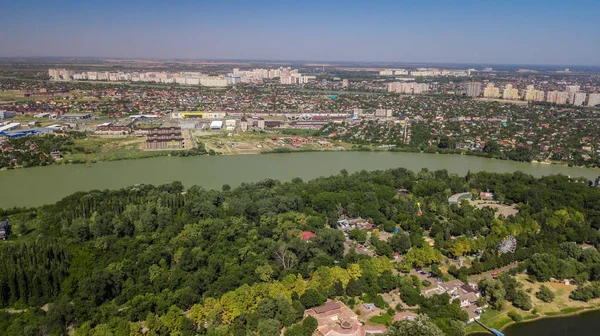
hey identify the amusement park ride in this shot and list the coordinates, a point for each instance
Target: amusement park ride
(508, 245)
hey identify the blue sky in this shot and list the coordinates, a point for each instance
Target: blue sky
(509, 32)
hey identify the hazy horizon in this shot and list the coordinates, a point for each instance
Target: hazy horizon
(463, 32)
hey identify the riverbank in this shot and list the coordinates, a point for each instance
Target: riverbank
(475, 329)
(109, 156)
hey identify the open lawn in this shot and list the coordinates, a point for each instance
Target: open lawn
(107, 149)
(501, 209)
(255, 142)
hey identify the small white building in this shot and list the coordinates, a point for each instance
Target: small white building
(42, 115)
(216, 125)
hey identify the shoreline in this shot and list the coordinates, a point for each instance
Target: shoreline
(541, 317)
(291, 151)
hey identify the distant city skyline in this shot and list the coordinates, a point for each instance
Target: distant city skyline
(475, 32)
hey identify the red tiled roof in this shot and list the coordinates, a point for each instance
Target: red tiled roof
(326, 307)
(306, 235)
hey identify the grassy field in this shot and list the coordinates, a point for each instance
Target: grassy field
(108, 149)
(384, 319)
(255, 142)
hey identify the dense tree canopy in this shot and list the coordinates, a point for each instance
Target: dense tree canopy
(108, 260)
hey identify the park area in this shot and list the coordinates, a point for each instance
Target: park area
(501, 209)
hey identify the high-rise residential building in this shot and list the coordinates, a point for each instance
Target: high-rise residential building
(345, 83)
(411, 88)
(473, 89)
(579, 98)
(594, 99)
(66, 75)
(510, 92)
(384, 113)
(540, 95)
(557, 97)
(571, 89)
(491, 91)
(531, 94)
(54, 74)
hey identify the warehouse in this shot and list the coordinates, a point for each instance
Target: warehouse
(216, 125)
(8, 127)
(7, 114)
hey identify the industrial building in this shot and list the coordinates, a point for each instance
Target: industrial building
(7, 114)
(75, 116)
(198, 114)
(42, 115)
(216, 125)
(9, 126)
(27, 132)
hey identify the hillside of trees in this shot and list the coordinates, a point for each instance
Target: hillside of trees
(169, 261)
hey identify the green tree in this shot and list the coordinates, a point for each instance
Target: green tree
(420, 326)
(400, 242)
(545, 294)
(312, 298)
(269, 327)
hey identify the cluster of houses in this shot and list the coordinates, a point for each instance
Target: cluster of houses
(467, 295)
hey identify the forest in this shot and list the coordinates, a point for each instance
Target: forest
(165, 260)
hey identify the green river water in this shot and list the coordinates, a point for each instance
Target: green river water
(43, 185)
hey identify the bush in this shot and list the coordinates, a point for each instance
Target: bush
(515, 316)
(426, 283)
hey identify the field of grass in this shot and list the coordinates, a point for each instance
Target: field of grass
(7, 95)
(384, 319)
(108, 149)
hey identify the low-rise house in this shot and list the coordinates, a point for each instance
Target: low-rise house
(466, 294)
(486, 195)
(4, 229)
(336, 319)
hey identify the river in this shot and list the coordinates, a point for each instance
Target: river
(43, 185)
(583, 324)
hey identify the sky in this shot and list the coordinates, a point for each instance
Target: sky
(483, 32)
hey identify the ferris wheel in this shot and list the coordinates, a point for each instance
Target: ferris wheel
(508, 245)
